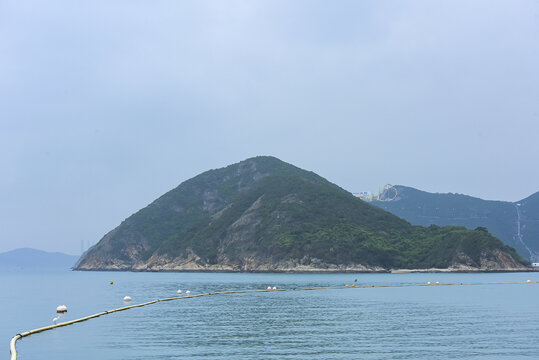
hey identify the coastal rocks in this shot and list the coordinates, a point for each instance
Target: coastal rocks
(498, 260)
(190, 262)
(193, 263)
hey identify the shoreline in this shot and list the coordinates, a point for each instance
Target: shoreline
(321, 271)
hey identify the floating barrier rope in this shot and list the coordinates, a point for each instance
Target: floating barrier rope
(13, 341)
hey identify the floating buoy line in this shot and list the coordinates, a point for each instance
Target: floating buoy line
(188, 295)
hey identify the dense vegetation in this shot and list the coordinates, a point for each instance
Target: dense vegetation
(499, 217)
(265, 209)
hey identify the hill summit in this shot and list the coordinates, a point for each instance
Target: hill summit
(263, 214)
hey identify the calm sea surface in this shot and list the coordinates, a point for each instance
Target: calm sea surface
(436, 322)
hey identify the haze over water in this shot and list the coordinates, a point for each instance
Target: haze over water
(436, 322)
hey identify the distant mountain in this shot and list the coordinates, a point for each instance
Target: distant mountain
(528, 223)
(503, 219)
(263, 214)
(26, 258)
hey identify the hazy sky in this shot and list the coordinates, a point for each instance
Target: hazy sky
(106, 105)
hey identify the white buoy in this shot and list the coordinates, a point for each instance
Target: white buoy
(274, 288)
(188, 292)
(61, 309)
(437, 283)
(127, 298)
(528, 281)
(428, 283)
(179, 291)
(269, 287)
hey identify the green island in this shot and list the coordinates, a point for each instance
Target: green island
(263, 214)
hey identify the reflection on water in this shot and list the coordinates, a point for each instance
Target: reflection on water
(479, 322)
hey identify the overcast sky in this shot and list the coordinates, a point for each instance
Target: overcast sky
(106, 105)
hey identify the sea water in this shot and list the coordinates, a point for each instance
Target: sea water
(431, 322)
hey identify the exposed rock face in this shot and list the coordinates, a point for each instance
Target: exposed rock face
(490, 260)
(265, 215)
(498, 260)
(194, 263)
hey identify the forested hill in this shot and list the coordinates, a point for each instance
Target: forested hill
(32, 259)
(263, 214)
(503, 219)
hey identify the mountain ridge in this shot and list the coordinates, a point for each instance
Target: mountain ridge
(499, 217)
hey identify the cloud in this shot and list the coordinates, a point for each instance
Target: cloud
(123, 100)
